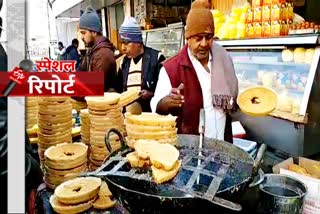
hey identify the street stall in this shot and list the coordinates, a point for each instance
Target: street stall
(185, 176)
(225, 170)
(139, 164)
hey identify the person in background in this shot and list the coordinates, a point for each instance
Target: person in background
(61, 52)
(3, 154)
(100, 55)
(3, 132)
(200, 76)
(140, 66)
(3, 54)
(73, 53)
(33, 175)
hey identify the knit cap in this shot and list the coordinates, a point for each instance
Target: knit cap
(199, 19)
(130, 31)
(90, 20)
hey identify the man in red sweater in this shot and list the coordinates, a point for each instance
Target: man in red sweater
(200, 76)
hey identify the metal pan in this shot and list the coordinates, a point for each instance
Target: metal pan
(144, 196)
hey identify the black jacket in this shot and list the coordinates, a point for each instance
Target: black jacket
(3, 59)
(3, 155)
(3, 136)
(151, 65)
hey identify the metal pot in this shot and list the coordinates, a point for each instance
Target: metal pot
(281, 194)
(135, 189)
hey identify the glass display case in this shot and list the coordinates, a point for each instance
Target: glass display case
(286, 70)
(288, 65)
(168, 40)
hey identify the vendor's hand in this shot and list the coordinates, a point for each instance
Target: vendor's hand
(146, 95)
(175, 99)
(179, 90)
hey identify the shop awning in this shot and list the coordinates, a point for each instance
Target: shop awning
(60, 7)
(71, 8)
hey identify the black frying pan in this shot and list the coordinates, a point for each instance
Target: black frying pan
(142, 196)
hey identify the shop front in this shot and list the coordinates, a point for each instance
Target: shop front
(273, 46)
(140, 164)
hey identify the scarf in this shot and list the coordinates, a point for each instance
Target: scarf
(224, 83)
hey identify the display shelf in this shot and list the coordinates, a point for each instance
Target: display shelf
(311, 39)
(289, 116)
(295, 130)
(164, 43)
(263, 66)
(289, 90)
(300, 65)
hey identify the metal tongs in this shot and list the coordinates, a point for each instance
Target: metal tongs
(201, 132)
(201, 129)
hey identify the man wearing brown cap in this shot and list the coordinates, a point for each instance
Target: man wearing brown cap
(200, 76)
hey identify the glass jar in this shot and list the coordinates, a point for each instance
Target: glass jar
(249, 31)
(284, 28)
(266, 29)
(257, 30)
(290, 11)
(290, 26)
(275, 12)
(266, 13)
(275, 29)
(257, 14)
(249, 16)
(283, 11)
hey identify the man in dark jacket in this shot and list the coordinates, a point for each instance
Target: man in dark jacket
(140, 67)
(3, 154)
(100, 56)
(3, 54)
(72, 52)
(3, 133)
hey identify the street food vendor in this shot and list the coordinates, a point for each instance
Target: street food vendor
(201, 75)
(140, 66)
